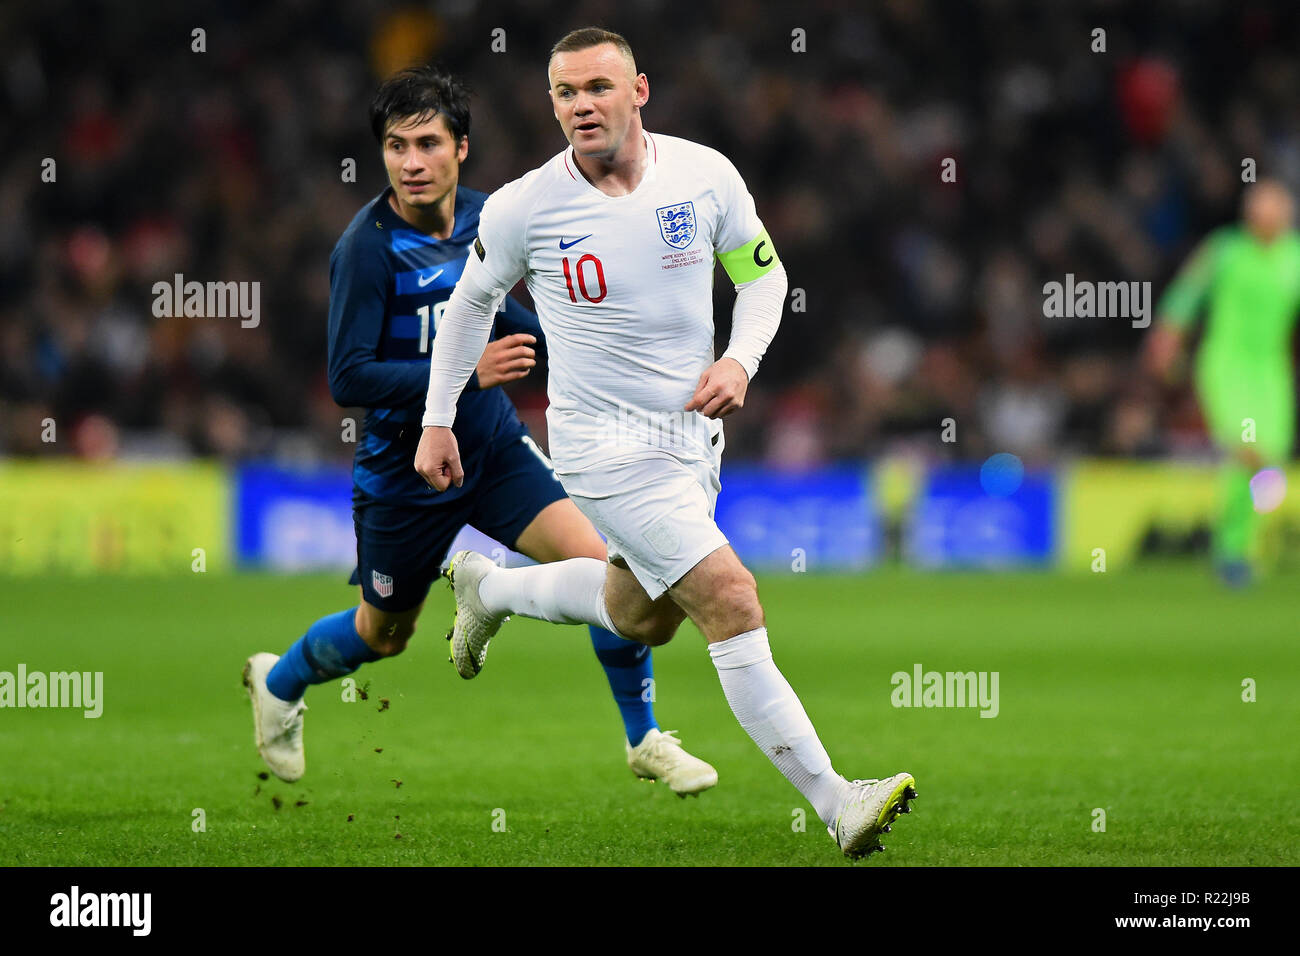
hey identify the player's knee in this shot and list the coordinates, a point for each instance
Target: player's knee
(735, 601)
(655, 636)
(660, 631)
(387, 640)
(738, 588)
(650, 632)
(656, 628)
(668, 619)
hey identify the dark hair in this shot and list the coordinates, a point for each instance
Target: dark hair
(421, 92)
(587, 37)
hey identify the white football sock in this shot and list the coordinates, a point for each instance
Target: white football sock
(771, 714)
(562, 592)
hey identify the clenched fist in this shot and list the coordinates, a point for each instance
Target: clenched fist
(721, 390)
(438, 458)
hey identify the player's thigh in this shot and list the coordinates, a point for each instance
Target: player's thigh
(1275, 420)
(720, 595)
(635, 614)
(524, 505)
(656, 514)
(1249, 412)
(399, 556)
(560, 531)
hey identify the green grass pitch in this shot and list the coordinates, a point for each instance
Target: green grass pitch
(1120, 691)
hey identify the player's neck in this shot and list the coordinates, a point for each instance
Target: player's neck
(620, 174)
(437, 219)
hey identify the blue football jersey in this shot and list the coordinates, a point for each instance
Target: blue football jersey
(389, 285)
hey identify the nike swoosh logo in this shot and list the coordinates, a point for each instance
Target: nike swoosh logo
(569, 245)
(425, 280)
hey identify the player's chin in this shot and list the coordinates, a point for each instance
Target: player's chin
(590, 142)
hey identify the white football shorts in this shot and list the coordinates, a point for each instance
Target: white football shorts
(656, 513)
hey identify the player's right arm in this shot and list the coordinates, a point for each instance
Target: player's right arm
(1180, 305)
(496, 262)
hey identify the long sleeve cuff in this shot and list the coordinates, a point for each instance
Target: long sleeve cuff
(755, 318)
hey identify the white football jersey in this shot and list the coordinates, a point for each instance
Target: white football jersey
(623, 290)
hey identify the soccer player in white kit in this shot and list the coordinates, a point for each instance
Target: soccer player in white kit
(616, 239)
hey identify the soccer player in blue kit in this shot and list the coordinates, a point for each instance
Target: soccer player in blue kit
(391, 274)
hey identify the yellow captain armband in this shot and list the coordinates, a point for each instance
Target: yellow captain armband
(754, 259)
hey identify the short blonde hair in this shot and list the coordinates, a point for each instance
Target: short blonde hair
(587, 37)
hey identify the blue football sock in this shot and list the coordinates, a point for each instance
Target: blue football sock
(631, 675)
(331, 648)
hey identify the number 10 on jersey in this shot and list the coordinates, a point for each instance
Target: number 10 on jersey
(579, 270)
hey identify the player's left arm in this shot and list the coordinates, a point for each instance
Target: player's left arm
(760, 281)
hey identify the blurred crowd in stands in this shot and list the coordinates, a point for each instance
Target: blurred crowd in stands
(914, 300)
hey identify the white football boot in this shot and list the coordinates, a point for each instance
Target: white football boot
(473, 626)
(277, 724)
(660, 756)
(871, 807)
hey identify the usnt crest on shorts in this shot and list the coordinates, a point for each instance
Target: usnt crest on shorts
(383, 584)
(677, 224)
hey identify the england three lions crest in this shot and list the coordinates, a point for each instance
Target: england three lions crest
(677, 224)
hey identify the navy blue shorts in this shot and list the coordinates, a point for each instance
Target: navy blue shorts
(400, 548)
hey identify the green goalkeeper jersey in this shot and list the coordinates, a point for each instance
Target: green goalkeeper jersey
(1243, 371)
(1253, 294)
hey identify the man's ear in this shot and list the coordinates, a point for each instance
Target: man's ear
(642, 91)
(462, 150)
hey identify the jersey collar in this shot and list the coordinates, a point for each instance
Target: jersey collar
(652, 164)
(385, 213)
